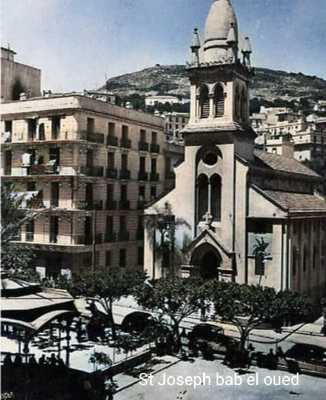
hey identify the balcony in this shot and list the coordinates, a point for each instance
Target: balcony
(84, 239)
(124, 205)
(141, 204)
(126, 143)
(92, 137)
(43, 169)
(112, 141)
(143, 146)
(110, 237)
(112, 173)
(111, 205)
(124, 174)
(90, 205)
(123, 236)
(92, 171)
(155, 148)
(142, 176)
(154, 177)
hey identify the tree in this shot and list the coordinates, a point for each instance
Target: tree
(13, 217)
(247, 307)
(105, 287)
(176, 299)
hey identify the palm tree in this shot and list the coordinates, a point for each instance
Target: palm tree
(163, 220)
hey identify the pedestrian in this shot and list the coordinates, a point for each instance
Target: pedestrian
(18, 360)
(280, 352)
(32, 360)
(59, 361)
(52, 360)
(7, 362)
(42, 361)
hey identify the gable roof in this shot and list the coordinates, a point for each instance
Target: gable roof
(284, 164)
(297, 202)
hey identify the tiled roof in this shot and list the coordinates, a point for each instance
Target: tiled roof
(297, 202)
(284, 164)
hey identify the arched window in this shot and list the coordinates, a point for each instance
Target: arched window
(219, 101)
(41, 132)
(216, 197)
(204, 102)
(202, 196)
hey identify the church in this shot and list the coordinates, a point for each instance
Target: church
(238, 214)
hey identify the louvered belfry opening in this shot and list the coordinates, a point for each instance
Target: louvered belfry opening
(219, 101)
(204, 102)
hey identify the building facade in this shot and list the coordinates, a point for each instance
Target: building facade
(17, 78)
(87, 167)
(248, 216)
(174, 124)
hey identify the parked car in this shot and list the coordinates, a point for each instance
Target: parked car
(137, 322)
(307, 353)
(210, 336)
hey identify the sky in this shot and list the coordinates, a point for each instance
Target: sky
(80, 43)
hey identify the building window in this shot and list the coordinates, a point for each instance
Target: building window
(142, 165)
(111, 129)
(124, 162)
(216, 197)
(202, 196)
(55, 127)
(111, 160)
(41, 132)
(154, 165)
(31, 126)
(123, 193)
(8, 126)
(54, 229)
(125, 133)
(123, 223)
(219, 101)
(142, 193)
(143, 135)
(204, 102)
(140, 257)
(55, 189)
(154, 137)
(153, 192)
(109, 192)
(90, 125)
(30, 227)
(122, 258)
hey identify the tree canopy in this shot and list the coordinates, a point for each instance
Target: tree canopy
(107, 286)
(247, 306)
(13, 217)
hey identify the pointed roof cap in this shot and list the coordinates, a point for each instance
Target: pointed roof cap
(220, 18)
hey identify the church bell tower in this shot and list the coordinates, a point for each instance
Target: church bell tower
(219, 74)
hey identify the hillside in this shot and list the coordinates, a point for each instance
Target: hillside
(172, 79)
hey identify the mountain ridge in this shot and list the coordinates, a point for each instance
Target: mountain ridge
(267, 84)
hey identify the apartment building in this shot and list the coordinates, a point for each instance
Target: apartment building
(88, 167)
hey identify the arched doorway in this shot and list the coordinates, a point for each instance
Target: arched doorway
(207, 261)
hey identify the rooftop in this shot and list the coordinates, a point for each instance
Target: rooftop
(297, 202)
(284, 164)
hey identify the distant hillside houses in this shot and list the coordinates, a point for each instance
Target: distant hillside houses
(285, 132)
(152, 101)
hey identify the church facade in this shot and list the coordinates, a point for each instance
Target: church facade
(247, 216)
